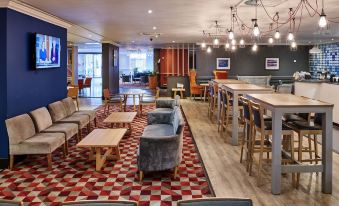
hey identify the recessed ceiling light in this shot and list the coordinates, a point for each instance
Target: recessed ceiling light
(150, 11)
(89, 35)
(154, 28)
(332, 39)
(173, 41)
(133, 41)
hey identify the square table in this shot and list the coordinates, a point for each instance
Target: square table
(279, 104)
(103, 138)
(133, 94)
(121, 118)
(236, 90)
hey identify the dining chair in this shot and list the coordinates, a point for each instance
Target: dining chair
(73, 92)
(212, 101)
(101, 202)
(88, 83)
(216, 201)
(80, 84)
(248, 127)
(148, 99)
(4, 202)
(113, 99)
(262, 144)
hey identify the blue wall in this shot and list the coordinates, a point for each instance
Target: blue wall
(28, 89)
(327, 60)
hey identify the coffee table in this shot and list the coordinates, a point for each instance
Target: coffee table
(181, 90)
(103, 138)
(116, 118)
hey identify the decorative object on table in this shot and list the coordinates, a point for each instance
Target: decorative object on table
(272, 64)
(223, 63)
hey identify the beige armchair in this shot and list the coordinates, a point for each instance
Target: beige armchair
(71, 109)
(24, 140)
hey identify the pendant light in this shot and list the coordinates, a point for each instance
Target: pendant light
(203, 45)
(233, 42)
(254, 47)
(230, 32)
(216, 42)
(209, 50)
(256, 31)
(290, 36)
(322, 20)
(233, 48)
(242, 43)
(231, 35)
(270, 40)
(277, 35)
(227, 46)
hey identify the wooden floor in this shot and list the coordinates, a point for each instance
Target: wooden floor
(229, 177)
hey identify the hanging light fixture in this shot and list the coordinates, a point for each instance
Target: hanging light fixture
(227, 45)
(209, 50)
(270, 40)
(256, 31)
(290, 36)
(242, 43)
(233, 48)
(255, 47)
(216, 42)
(233, 42)
(293, 46)
(277, 35)
(203, 45)
(322, 20)
(230, 32)
(231, 35)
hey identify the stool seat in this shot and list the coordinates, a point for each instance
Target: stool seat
(304, 125)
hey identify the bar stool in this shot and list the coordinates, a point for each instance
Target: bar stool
(212, 101)
(263, 144)
(247, 121)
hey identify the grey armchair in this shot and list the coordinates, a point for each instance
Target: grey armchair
(161, 143)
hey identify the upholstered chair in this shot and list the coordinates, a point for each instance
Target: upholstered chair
(71, 109)
(195, 89)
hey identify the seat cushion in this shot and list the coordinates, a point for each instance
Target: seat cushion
(268, 126)
(148, 100)
(20, 128)
(41, 118)
(69, 105)
(160, 116)
(158, 130)
(69, 129)
(90, 113)
(57, 111)
(166, 103)
(81, 120)
(41, 143)
(304, 125)
(295, 117)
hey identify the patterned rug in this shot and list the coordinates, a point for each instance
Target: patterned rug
(75, 178)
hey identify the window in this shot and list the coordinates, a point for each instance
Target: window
(131, 60)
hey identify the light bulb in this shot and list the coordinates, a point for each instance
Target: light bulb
(242, 42)
(290, 36)
(322, 20)
(216, 41)
(270, 40)
(233, 47)
(203, 45)
(209, 50)
(294, 45)
(227, 45)
(256, 30)
(231, 35)
(277, 35)
(233, 42)
(255, 47)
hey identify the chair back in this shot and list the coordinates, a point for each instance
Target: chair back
(215, 201)
(88, 81)
(80, 83)
(193, 75)
(101, 203)
(211, 89)
(220, 74)
(257, 113)
(73, 92)
(246, 108)
(224, 97)
(106, 94)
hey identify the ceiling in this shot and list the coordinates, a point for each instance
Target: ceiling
(181, 21)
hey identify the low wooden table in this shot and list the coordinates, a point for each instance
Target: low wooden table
(132, 93)
(181, 90)
(116, 118)
(103, 138)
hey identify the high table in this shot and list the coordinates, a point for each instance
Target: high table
(279, 104)
(236, 90)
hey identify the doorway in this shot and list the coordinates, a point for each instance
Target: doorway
(89, 66)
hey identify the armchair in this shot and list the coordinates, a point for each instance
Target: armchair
(194, 88)
(220, 74)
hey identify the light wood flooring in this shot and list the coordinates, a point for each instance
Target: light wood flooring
(229, 177)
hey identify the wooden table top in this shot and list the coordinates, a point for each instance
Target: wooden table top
(204, 84)
(120, 117)
(246, 87)
(178, 89)
(103, 138)
(229, 81)
(287, 100)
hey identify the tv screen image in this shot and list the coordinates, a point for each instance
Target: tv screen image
(47, 51)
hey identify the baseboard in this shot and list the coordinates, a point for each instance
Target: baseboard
(4, 163)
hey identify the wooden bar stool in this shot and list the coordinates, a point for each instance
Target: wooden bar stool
(212, 101)
(262, 144)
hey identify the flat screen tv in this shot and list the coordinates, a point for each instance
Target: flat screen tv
(47, 51)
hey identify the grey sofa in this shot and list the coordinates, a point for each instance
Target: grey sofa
(43, 123)
(23, 139)
(161, 142)
(59, 114)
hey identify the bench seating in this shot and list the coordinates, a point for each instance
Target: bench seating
(24, 140)
(71, 109)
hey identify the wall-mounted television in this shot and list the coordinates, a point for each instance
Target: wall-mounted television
(47, 51)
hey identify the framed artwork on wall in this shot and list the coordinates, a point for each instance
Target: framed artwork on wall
(272, 64)
(223, 63)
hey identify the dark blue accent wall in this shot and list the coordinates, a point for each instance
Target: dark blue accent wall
(28, 89)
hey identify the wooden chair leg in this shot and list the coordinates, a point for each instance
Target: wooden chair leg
(315, 148)
(11, 161)
(95, 122)
(310, 148)
(141, 176)
(175, 172)
(65, 149)
(261, 154)
(49, 161)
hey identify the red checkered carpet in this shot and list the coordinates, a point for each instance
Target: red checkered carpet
(75, 178)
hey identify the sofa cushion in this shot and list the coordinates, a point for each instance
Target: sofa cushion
(41, 118)
(57, 110)
(81, 120)
(166, 103)
(68, 129)
(158, 130)
(69, 105)
(160, 116)
(20, 128)
(90, 113)
(41, 143)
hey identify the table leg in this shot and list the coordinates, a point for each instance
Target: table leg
(98, 161)
(234, 119)
(327, 128)
(174, 94)
(130, 127)
(276, 152)
(181, 94)
(117, 152)
(91, 153)
(134, 107)
(205, 93)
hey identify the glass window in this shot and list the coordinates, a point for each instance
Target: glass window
(132, 60)
(89, 65)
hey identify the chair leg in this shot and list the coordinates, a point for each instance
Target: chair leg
(49, 161)
(95, 122)
(11, 161)
(65, 149)
(300, 146)
(261, 154)
(315, 148)
(141, 176)
(243, 143)
(310, 147)
(175, 172)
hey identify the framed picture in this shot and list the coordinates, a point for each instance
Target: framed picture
(272, 64)
(223, 63)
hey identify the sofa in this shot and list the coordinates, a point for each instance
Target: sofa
(161, 142)
(24, 140)
(71, 109)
